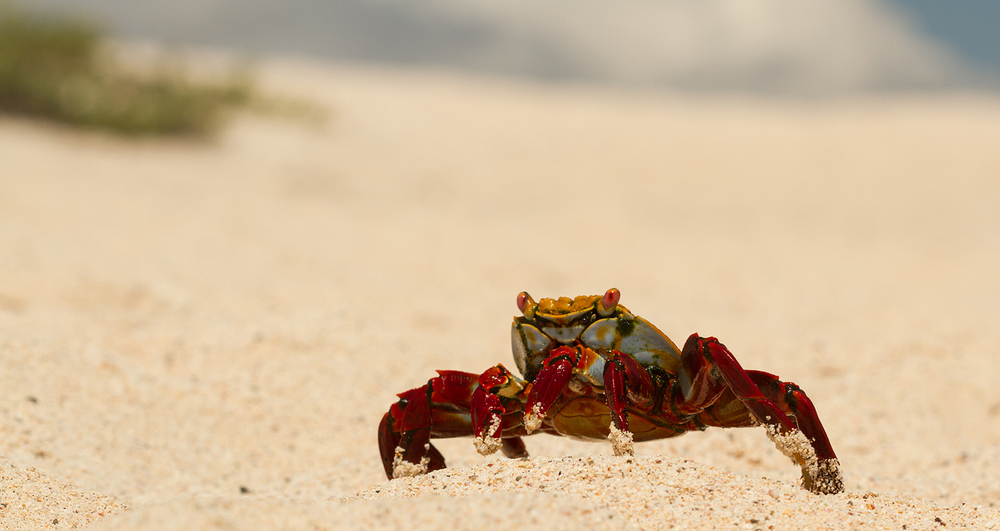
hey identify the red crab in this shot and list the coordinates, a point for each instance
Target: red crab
(593, 370)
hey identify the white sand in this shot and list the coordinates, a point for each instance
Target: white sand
(206, 336)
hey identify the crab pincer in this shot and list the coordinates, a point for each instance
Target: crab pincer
(549, 384)
(487, 411)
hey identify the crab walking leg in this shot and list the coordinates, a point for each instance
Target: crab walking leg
(793, 401)
(438, 409)
(820, 468)
(388, 441)
(411, 454)
(827, 476)
(704, 362)
(624, 379)
(513, 448)
(391, 449)
(557, 369)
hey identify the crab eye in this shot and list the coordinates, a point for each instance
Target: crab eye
(608, 302)
(526, 304)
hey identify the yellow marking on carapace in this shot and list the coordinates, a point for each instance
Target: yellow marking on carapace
(565, 305)
(602, 333)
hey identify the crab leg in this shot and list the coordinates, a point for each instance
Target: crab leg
(793, 401)
(410, 429)
(824, 475)
(557, 369)
(513, 448)
(699, 357)
(438, 409)
(625, 379)
(391, 448)
(810, 447)
(487, 420)
(488, 412)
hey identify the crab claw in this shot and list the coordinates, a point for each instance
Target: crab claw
(548, 386)
(487, 411)
(487, 415)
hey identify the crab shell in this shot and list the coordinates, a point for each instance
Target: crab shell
(599, 323)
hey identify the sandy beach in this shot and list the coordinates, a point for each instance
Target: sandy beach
(206, 335)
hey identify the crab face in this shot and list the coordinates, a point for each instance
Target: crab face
(565, 319)
(550, 322)
(598, 322)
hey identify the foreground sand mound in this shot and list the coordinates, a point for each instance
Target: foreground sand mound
(532, 512)
(670, 493)
(30, 499)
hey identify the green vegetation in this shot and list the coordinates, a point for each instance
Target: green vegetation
(56, 69)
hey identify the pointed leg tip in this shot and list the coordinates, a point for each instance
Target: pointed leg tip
(533, 419)
(828, 477)
(487, 445)
(621, 441)
(401, 468)
(821, 476)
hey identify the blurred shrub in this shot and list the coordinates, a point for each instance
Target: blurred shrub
(52, 68)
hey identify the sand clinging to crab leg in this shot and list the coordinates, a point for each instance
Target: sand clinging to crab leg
(487, 444)
(819, 475)
(621, 441)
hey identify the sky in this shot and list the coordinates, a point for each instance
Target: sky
(771, 46)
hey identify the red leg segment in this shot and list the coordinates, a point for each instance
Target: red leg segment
(626, 382)
(388, 441)
(514, 448)
(486, 412)
(438, 409)
(803, 440)
(549, 384)
(716, 355)
(793, 400)
(490, 418)
(486, 407)
(614, 392)
(695, 388)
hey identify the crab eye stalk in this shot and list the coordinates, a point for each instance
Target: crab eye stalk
(606, 306)
(527, 305)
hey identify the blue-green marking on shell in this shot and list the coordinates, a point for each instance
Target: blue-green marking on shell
(527, 342)
(649, 346)
(635, 336)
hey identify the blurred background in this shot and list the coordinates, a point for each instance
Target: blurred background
(817, 48)
(815, 183)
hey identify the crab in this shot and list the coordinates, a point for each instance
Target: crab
(592, 370)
